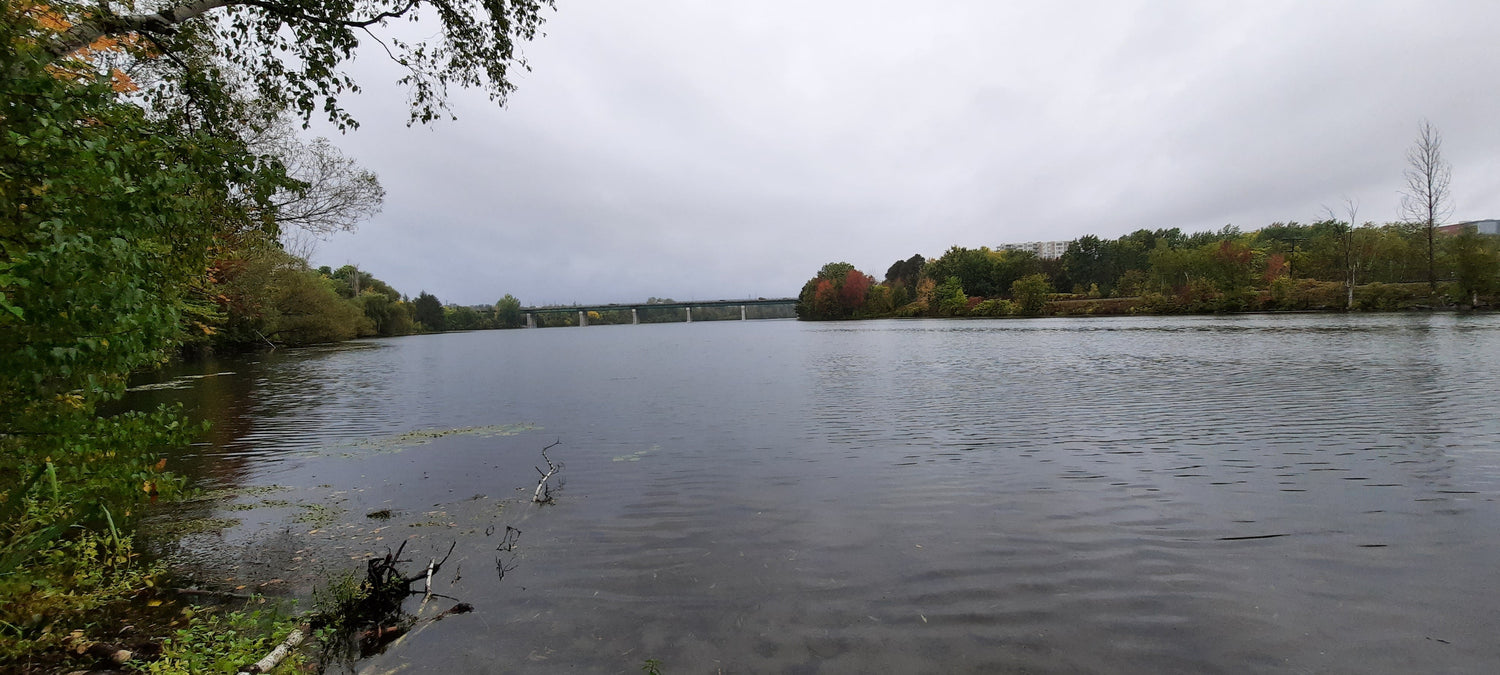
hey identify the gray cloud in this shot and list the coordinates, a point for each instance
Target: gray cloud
(705, 150)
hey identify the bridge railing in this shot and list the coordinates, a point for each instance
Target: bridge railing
(584, 311)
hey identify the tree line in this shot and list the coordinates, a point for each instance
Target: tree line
(265, 296)
(1284, 266)
(1330, 264)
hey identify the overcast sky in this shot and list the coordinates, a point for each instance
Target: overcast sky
(727, 149)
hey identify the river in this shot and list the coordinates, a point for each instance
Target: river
(1299, 493)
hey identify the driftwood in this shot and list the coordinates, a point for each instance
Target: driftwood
(374, 639)
(385, 587)
(280, 652)
(543, 490)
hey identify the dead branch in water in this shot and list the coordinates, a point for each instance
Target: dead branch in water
(543, 489)
(373, 617)
(367, 620)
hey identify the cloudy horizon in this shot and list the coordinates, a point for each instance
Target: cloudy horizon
(727, 150)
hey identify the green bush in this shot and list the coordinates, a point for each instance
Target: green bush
(994, 307)
(1378, 297)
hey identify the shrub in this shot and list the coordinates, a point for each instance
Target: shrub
(995, 307)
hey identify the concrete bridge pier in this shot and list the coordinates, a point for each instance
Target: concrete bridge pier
(530, 320)
(583, 319)
(742, 312)
(635, 318)
(690, 314)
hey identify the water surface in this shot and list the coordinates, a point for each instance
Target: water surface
(1308, 493)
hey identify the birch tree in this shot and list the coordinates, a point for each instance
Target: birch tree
(292, 52)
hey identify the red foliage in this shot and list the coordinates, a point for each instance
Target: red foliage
(856, 286)
(1233, 253)
(1276, 267)
(825, 297)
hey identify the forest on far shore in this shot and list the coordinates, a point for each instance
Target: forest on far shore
(1326, 265)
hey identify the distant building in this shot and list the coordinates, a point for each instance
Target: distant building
(1043, 249)
(1491, 227)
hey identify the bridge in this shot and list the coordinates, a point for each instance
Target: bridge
(635, 317)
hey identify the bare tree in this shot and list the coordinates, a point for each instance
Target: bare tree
(1426, 200)
(335, 192)
(332, 193)
(1351, 208)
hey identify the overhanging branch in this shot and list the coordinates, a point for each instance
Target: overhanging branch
(165, 22)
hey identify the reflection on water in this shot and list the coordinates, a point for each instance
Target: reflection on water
(1208, 494)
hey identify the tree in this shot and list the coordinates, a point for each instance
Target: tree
(1346, 240)
(1476, 264)
(1426, 201)
(1008, 266)
(853, 291)
(428, 311)
(837, 292)
(834, 271)
(974, 267)
(107, 219)
(307, 309)
(329, 193)
(508, 312)
(905, 273)
(292, 51)
(467, 318)
(1031, 293)
(949, 297)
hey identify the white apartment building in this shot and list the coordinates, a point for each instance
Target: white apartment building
(1048, 250)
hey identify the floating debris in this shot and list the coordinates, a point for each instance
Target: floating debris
(181, 382)
(411, 439)
(637, 455)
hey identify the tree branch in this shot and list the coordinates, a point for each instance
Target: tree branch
(108, 23)
(164, 22)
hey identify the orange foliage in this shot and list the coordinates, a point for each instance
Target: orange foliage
(1276, 267)
(78, 64)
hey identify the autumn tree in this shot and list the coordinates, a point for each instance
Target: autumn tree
(837, 292)
(292, 53)
(853, 291)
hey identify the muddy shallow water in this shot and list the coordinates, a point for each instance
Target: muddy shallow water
(1302, 493)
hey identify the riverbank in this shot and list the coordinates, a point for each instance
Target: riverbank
(1294, 296)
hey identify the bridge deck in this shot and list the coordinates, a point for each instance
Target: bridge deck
(757, 302)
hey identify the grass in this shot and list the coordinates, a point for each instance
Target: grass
(95, 588)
